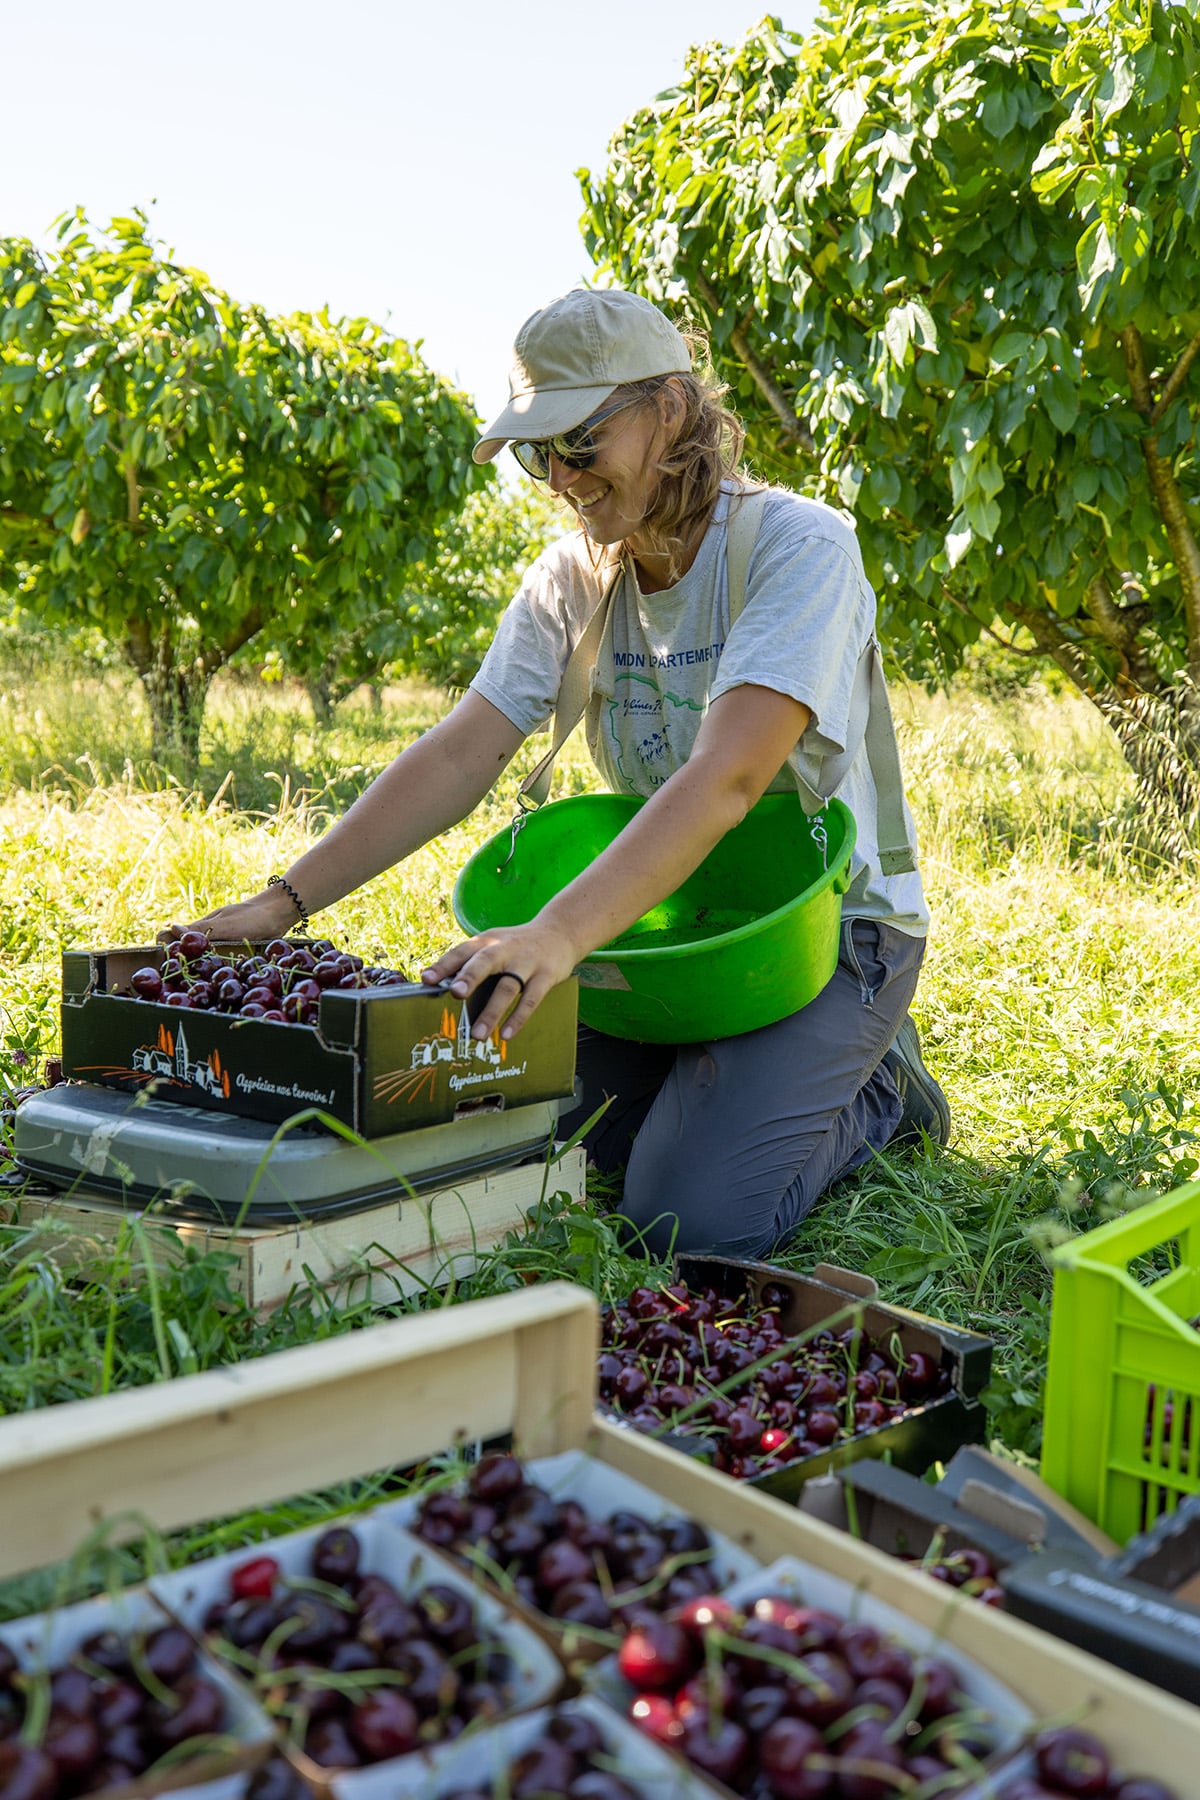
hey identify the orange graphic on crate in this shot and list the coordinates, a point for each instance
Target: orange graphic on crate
(168, 1059)
(450, 1049)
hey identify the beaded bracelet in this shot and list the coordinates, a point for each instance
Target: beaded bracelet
(293, 896)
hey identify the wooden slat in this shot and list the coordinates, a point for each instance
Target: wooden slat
(211, 1444)
(409, 1245)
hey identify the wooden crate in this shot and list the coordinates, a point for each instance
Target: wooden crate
(404, 1246)
(234, 1438)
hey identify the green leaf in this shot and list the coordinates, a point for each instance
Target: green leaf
(1095, 258)
(1008, 347)
(1060, 397)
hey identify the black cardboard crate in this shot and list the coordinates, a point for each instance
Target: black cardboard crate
(1129, 1623)
(925, 1435)
(379, 1060)
(1138, 1608)
(909, 1518)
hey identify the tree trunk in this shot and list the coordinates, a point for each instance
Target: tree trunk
(176, 698)
(1159, 735)
(1156, 719)
(320, 697)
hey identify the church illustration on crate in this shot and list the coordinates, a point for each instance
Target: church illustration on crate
(173, 1060)
(454, 1044)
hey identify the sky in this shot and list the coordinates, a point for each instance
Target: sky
(412, 162)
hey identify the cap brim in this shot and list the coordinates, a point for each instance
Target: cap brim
(543, 415)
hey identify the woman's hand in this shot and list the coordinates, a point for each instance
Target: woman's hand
(529, 959)
(256, 921)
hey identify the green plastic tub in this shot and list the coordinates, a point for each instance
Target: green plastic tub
(750, 937)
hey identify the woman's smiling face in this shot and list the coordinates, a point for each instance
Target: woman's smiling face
(612, 498)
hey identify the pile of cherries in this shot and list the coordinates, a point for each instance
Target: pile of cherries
(786, 1701)
(12, 1098)
(283, 983)
(969, 1570)
(1071, 1762)
(584, 1572)
(119, 1704)
(570, 1758)
(792, 1702)
(361, 1671)
(726, 1372)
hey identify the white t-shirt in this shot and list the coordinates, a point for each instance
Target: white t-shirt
(808, 617)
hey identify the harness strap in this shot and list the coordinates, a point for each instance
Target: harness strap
(870, 711)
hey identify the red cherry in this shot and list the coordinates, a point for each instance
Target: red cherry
(705, 1613)
(717, 1746)
(1072, 1761)
(793, 1757)
(655, 1656)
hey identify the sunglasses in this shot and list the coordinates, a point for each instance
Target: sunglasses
(575, 449)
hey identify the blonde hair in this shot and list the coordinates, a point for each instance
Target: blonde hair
(705, 451)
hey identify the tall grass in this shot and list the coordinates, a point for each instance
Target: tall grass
(1056, 1004)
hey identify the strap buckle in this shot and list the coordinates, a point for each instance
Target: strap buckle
(519, 818)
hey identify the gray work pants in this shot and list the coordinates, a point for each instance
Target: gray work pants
(728, 1145)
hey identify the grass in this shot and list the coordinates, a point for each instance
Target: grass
(1056, 1007)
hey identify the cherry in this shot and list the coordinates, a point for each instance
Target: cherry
(560, 1563)
(170, 1654)
(335, 1555)
(917, 1375)
(385, 1723)
(717, 1746)
(26, 1772)
(630, 1385)
(496, 1476)
(198, 1711)
(447, 1614)
(869, 1763)
(547, 1767)
(71, 1693)
(1071, 1760)
(72, 1744)
(329, 1743)
(705, 1613)
(822, 1689)
(795, 1762)
(655, 1656)
(656, 1715)
(254, 1580)
(823, 1427)
(432, 1683)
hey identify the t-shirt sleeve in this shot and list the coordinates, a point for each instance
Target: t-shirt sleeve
(523, 668)
(809, 614)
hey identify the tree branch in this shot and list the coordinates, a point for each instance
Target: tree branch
(1119, 627)
(1175, 380)
(794, 427)
(1169, 500)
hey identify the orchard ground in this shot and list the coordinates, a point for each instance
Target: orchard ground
(1056, 1007)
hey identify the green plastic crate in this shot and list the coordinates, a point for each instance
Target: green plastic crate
(1122, 1424)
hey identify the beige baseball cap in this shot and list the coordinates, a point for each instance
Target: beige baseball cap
(569, 357)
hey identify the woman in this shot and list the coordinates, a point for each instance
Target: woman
(728, 1144)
